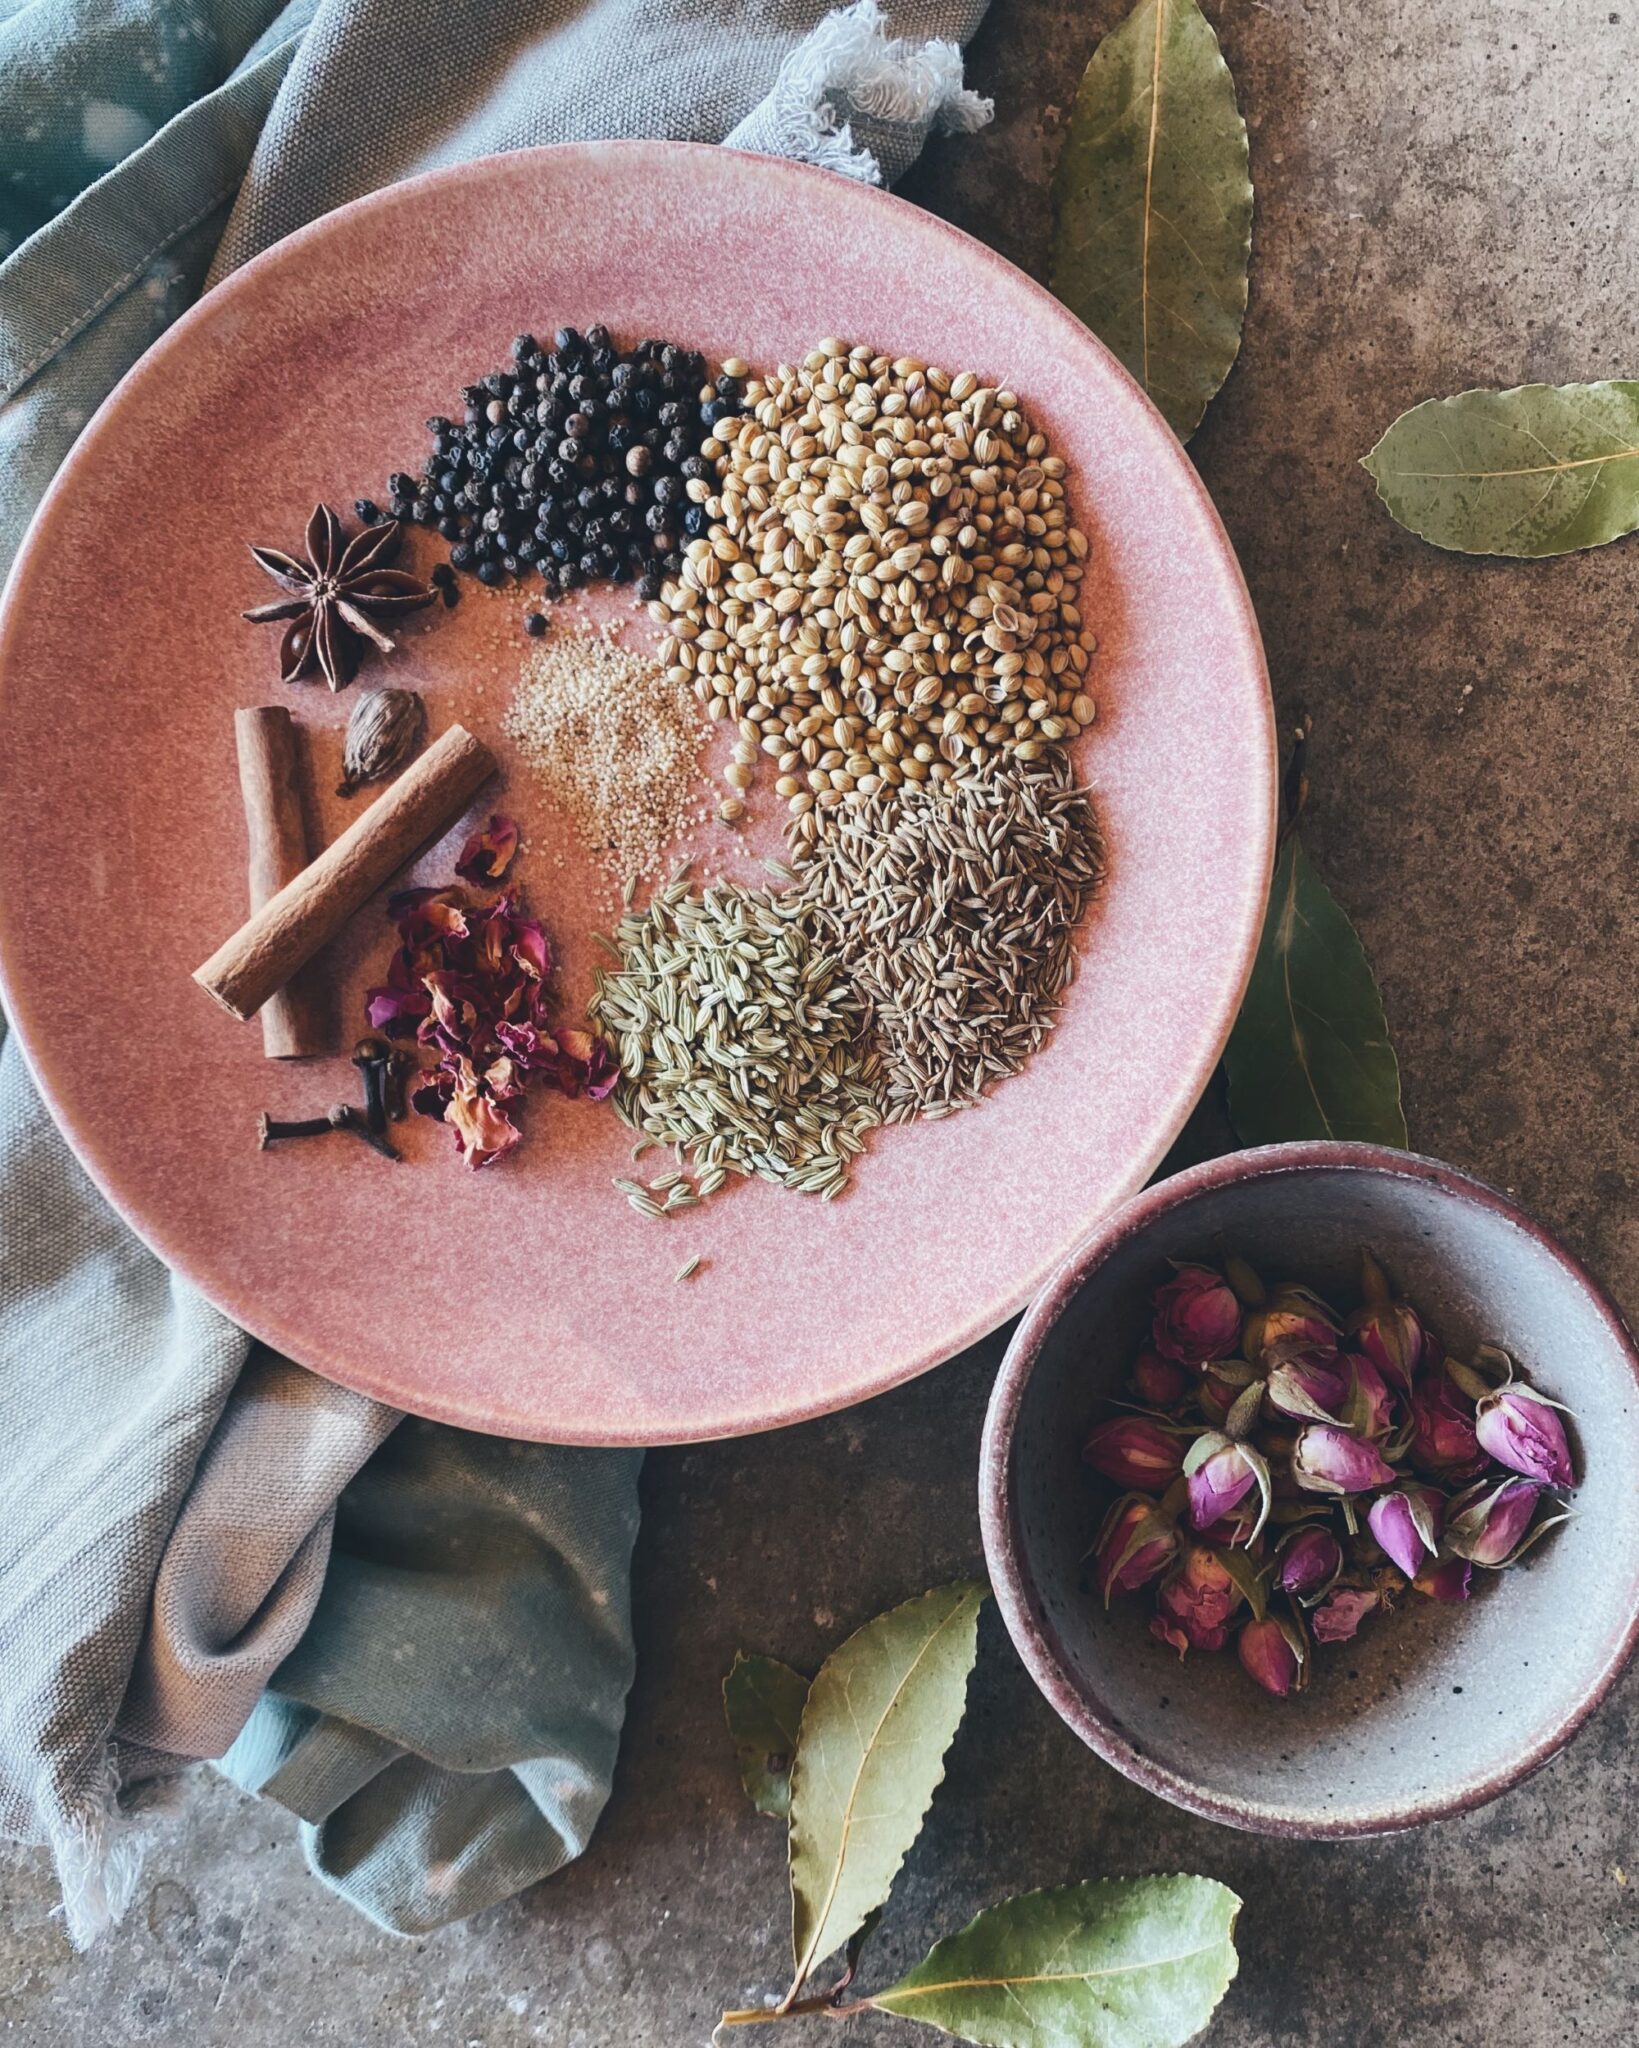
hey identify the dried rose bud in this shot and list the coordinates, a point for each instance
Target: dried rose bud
(1443, 1443)
(1308, 1389)
(1406, 1523)
(1293, 1322)
(1328, 1460)
(1387, 1330)
(1369, 1408)
(1307, 1562)
(1137, 1452)
(1217, 1396)
(1160, 1382)
(1194, 1604)
(1237, 1529)
(1269, 1654)
(1136, 1542)
(1222, 1480)
(1340, 1614)
(1488, 1523)
(1448, 1581)
(1520, 1429)
(1197, 1317)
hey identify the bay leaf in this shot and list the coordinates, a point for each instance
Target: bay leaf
(870, 1753)
(1119, 1963)
(1153, 207)
(1539, 470)
(762, 1702)
(1309, 1056)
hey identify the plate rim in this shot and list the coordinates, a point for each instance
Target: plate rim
(748, 1418)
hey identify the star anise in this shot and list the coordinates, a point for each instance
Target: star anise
(335, 595)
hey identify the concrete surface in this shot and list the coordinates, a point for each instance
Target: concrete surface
(1445, 197)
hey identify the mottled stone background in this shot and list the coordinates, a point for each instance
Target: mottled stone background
(1445, 198)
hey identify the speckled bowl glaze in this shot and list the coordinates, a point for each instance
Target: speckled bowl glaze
(529, 1299)
(1427, 1713)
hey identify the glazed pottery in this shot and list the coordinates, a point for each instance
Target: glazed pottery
(529, 1298)
(1428, 1712)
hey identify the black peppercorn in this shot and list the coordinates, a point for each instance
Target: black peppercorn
(534, 624)
(568, 575)
(567, 342)
(694, 521)
(368, 510)
(491, 573)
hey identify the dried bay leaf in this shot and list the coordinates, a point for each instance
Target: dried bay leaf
(1310, 1056)
(870, 1753)
(1539, 470)
(1153, 207)
(763, 1702)
(1135, 1963)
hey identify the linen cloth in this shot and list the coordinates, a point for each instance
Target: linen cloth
(416, 1639)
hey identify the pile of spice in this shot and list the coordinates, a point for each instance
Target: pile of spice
(470, 983)
(739, 1042)
(615, 745)
(1286, 1472)
(573, 463)
(886, 584)
(953, 911)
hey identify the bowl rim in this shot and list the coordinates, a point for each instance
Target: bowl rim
(1034, 1636)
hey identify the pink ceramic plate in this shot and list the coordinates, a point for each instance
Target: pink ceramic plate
(529, 1299)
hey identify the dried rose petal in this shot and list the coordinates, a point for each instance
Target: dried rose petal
(488, 854)
(1340, 1614)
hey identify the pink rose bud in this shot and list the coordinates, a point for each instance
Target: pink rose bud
(1387, 1330)
(1407, 1525)
(1217, 1396)
(1328, 1460)
(1196, 1602)
(1136, 1542)
(1159, 1382)
(1370, 1405)
(1521, 1430)
(1292, 1323)
(1488, 1523)
(1448, 1581)
(1443, 1443)
(1267, 1655)
(1236, 1529)
(1137, 1452)
(1219, 1485)
(1309, 1560)
(1307, 1389)
(1340, 1614)
(1197, 1317)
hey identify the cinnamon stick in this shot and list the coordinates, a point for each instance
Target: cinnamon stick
(285, 933)
(295, 1018)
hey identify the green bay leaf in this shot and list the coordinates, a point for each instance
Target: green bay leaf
(870, 1753)
(1153, 207)
(1309, 1056)
(763, 1702)
(1539, 470)
(1121, 1963)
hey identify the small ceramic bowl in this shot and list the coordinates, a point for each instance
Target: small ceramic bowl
(1429, 1712)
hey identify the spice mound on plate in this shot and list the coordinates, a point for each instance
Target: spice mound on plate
(573, 463)
(738, 1040)
(1286, 1473)
(470, 982)
(954, 910)
(887, 585)
(615, 747)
